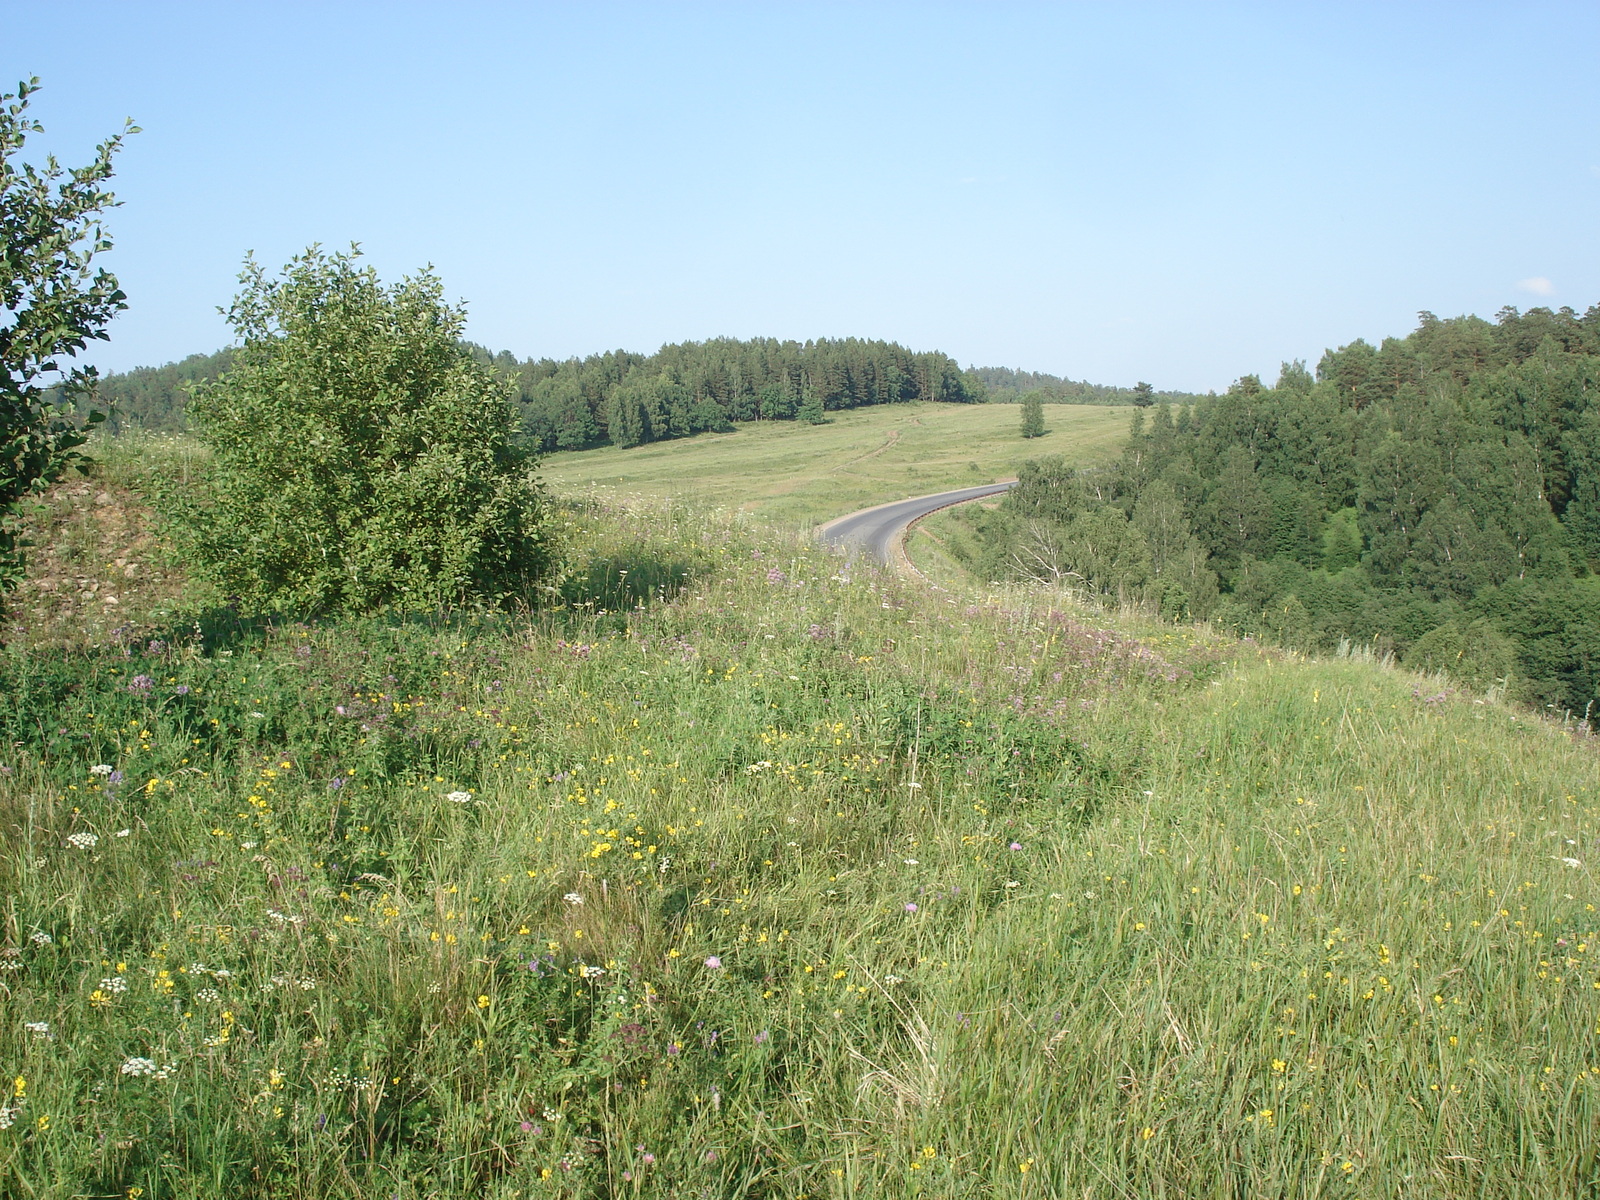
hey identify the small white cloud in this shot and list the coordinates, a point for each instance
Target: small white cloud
(1538, 285)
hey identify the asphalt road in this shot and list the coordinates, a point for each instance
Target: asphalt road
(877, 531)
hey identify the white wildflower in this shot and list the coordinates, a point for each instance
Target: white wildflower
(122, 833)
(101, 769)
(573, 899)
(459, 797)
(1572, 862)
(37, 1028)
(140, 1066)
(83, 841)
(208, 995)
(40, 938)
(116, 984)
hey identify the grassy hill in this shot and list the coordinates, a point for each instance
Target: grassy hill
(737, 874)
(806, 474)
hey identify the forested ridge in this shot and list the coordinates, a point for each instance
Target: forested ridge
(1437, 496)
(156, 398)
(1003, 385)
(625, 398)
(688, 387)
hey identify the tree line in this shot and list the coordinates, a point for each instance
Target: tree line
(1436, 497)
(689, 387)
(1003, 385)
(625, 398)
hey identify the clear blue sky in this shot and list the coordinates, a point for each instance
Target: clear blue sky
(1175, 192)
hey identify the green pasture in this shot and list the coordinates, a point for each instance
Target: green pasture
(800, 474)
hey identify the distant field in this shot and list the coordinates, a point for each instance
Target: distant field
(806, 474)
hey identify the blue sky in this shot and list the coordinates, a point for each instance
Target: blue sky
(1182, 193)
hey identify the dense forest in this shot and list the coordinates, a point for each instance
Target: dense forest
(1002, 385)
(154, 397)
(1436, 497)
(625, 398)
(682, 389)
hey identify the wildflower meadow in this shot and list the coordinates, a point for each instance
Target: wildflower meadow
(747, 871)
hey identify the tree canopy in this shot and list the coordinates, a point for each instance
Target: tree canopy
(1436, 496)
(54, 302)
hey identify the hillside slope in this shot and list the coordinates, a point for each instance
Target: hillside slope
(788, 472)
(744, 876)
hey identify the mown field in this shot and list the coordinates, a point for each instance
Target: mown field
(787, 472)
(735, 873)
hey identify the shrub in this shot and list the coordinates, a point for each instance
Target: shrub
(362, 460)
(1473, 652)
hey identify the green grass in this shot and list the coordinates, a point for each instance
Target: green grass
(940, 544)
(884, 892)
(798, 474)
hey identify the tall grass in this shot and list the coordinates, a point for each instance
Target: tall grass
(744, 876)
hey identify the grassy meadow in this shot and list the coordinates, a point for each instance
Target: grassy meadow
(792, 473)
(736, 873)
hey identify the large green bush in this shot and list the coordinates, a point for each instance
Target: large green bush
(362, 460)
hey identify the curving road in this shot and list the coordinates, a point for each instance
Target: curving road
(878, 531)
